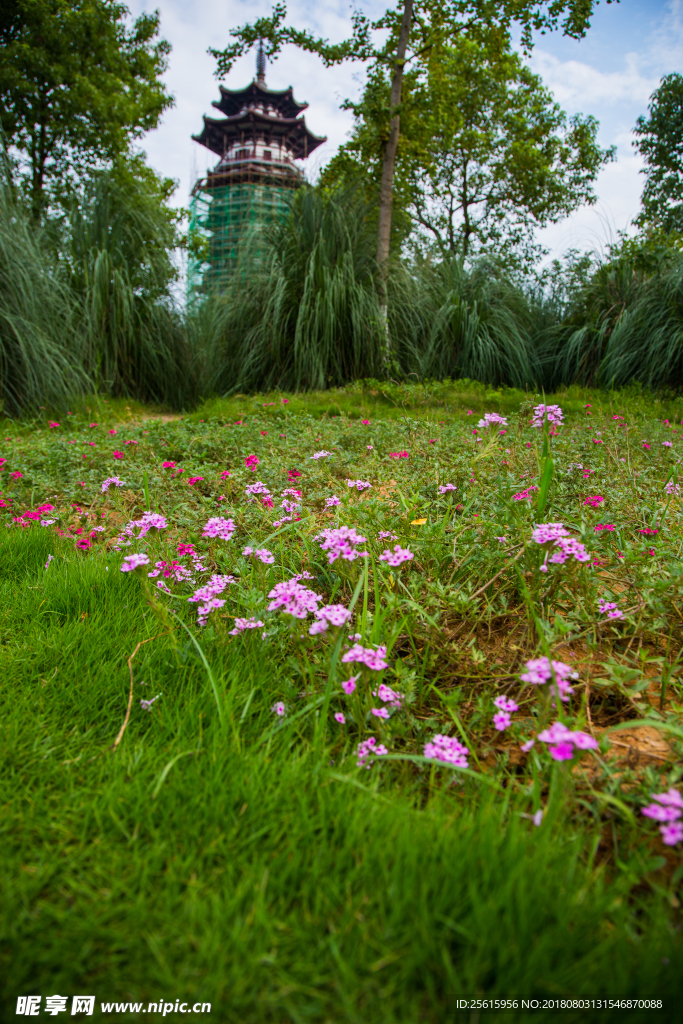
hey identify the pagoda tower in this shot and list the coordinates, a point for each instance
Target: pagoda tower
(257, 142)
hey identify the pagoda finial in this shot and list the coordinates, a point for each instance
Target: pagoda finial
(260, 64)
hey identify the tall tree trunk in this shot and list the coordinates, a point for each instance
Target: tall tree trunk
(389, 164)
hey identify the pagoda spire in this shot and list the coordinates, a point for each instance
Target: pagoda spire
(260, 64)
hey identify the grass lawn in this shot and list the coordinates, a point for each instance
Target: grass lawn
(200, 801)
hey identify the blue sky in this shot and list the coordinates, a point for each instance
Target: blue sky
(610, 74)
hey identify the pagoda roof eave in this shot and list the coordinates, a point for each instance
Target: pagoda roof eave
(231, 99)
(299, 138)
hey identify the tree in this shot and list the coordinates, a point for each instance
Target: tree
(660, 142)
(77, 86)
(485, 155)
(418, 31)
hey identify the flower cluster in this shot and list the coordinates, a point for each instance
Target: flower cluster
(331, 502)
(341, 542)
(447, 748)
(148, 521)
(372, 659)
(596, 500)
(261, 554)
(507, 707)
(610, 609)
(258, 488)
(251, 462)
(207, 599)
(399, 455)
(562, 741)
(552, 413)
(563, 546)
(321, 455)
(132, 562)
(525, 495)
(396, 557)
(445, 488)
(667, 809)
(603, 526)
(330, 615)
(219, 527)
(112, 480)
(540, 671)
(360, 485)
(492, 419)
(242, 624)
(388, 696)
(290, 597)
(367, 750)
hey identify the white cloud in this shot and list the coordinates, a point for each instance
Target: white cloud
(581, 86)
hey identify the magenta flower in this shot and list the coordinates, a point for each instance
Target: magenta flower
(118, 455)
(349, 685)
(132, 562)
(52, 425)
(192, 480)
(360, 485)
(562, 741)
(365, 422)
(596, 500)
(388, 696)
(93, 424)
(260, 554)
(16, 475)
(293, 599)
(550, 413)
(380, 712)
(224, 475)
(321, 455)
(506, 704)
(257, 488)
(396, 557)
(372, 659)
(331, 615)
(445, 488)
(492, 419)
(367, 750)
(242, 624)
(502, 720)
(526, 747)
(341, 542)
(331, 502)
(251, 462)
(168, 465)
(339, 717)
(448, 749)
(540, 671)
(672, 834)
(279, 709)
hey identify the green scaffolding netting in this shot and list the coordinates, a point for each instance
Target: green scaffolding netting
(220, 218)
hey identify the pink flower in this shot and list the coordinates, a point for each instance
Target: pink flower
(448, 749)
(219, 527)
(111, 480)
(131, 442)
(261, 554)
(502, 720)
(93, 424)
(242, 624)
(132, 562)
(396, 557)
(192, 480)
(224, 475)
(603, 526)
(594, 501)
(251, 462)
(16, 475)
(349, 685)
(331, 502)
(339, 717)
(331, 615)
(52, 425)
(118, 455)
(279, 709)
(526, 747)
(84, 543)
(506, 704)
(372, 659)
(445, 488)
(380, 712)
(361, 485)
(168, 465)
(112, 432)
(646, 445)
(540, 671)
(672, 834)
(367, 750)
(388, 696)
(341, 542)
(547, 413)
(365, 422)
(293, 599)
(562, 751)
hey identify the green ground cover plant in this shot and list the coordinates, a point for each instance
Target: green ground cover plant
(342, 706)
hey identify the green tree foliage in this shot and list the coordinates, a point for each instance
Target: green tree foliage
(660, 142)
(415, 32)
(78, 85)
(485, 155)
